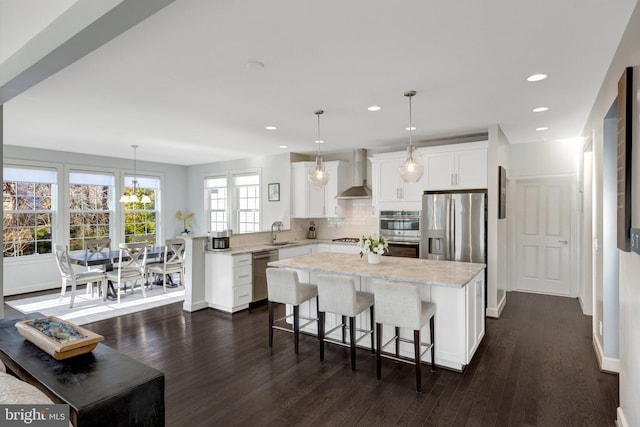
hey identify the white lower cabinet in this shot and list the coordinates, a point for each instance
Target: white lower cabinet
(344, 249)
(228, 281)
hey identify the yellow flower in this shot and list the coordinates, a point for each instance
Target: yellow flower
(186, 220)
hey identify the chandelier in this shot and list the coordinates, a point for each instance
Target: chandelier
(133, 198)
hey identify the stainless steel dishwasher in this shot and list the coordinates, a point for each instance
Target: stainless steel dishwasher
(260, 261)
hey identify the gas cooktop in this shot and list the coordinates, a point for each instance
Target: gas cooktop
(347, 239)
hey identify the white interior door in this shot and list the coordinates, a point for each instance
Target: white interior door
(543, 236)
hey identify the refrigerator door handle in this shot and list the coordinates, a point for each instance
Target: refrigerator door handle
(452, 229)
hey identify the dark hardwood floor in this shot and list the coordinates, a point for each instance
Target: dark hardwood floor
(535, 367)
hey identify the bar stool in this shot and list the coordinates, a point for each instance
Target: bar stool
(400, 305)
(284, 287)
(338, 295)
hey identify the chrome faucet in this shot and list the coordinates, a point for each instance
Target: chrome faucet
(278, 226)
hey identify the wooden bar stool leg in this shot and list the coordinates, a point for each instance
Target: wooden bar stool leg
(433, 346)
(378, 347)
(352, 335)
(416, 347)
(321, 334)
(271, 309)
(296, 327)
(372, 322)
(397, 342)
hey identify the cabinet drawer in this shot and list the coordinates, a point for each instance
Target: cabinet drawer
(242, 275)
(241, 260)
(241, 295)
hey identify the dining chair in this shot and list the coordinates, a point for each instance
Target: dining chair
(70, 277)
(132, 262)
(173, 261)
(93, 247)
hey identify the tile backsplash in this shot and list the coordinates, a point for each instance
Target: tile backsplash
(359, 221)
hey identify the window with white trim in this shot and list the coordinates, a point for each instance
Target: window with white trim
(216, 193)
(247, 190)
(142, 219)
(28, 210)
(90, 206)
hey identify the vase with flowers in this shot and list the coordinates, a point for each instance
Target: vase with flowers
(186, 221)
(373, 246)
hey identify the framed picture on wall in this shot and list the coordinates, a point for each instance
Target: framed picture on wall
(626, 98)
(502, 192)
(274, 192)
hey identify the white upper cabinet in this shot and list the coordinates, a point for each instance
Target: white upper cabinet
(460, 166)
(389, 191)
(308, 201)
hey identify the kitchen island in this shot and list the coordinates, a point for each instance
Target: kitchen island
(457, 289)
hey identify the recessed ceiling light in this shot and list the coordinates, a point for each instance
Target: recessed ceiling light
(270, 127)
(254, 65)
(374, 108)
(540, 109)
(284, 146)
(536, 77)
(542, 128)
(319, 141)
(410, 128)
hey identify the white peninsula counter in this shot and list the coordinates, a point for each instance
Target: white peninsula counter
(457, 289)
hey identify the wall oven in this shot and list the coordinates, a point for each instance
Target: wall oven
(401, 229)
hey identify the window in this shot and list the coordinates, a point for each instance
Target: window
(90, 207)
(142, 219)
(28, 195)
(248, 202)
(217, 195)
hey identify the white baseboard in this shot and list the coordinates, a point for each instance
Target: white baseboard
(190, 307)
(621, 421)
(24, 289)
(497, 311)
(607, 364)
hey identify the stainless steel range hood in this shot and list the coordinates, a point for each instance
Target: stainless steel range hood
(359, 190)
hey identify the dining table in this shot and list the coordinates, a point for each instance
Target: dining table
(108, 258)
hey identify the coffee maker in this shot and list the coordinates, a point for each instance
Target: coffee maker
(220, 240)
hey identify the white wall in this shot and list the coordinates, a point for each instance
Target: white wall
(628, 54)
(27, 274)
(497, 230)
(272, 168)
(545, 158)
(607, 306)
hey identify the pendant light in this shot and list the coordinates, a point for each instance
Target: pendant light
(133, 198)
(319, 177)
(410, 171)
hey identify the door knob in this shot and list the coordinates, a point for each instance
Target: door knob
(564, 242)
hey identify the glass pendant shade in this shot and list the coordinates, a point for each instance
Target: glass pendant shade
(319, 177)
(411, 171)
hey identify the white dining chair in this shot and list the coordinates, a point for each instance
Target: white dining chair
(173, 261)
(93, 248)
(70, 277)
(132, 262)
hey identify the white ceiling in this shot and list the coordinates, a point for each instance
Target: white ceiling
(178, 85)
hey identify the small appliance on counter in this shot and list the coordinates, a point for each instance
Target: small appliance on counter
(311, 234)
(220, 240)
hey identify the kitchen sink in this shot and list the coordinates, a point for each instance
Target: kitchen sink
(278, 243)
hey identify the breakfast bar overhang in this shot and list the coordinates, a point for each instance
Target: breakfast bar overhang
(457, 289)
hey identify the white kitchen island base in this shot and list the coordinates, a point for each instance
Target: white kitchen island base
(456, 288)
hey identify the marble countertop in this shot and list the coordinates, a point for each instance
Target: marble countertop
(259, 247)
(396, 269)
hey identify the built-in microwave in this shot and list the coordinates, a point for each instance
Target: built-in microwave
(401, 229)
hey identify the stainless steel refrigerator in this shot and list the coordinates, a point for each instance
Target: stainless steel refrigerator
(454, 226)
